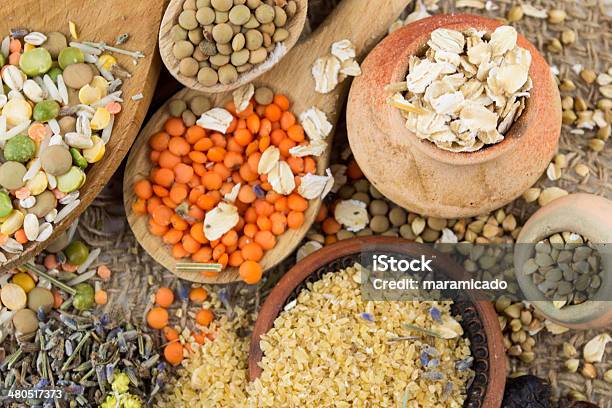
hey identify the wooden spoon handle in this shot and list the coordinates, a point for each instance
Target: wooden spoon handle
(361, 21)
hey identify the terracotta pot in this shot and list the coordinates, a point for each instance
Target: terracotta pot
(479, 317)
(590, 216)
(425, 179)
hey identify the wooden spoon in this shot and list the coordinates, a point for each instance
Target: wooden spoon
(97, 20)
(295, 25)
(293, 78)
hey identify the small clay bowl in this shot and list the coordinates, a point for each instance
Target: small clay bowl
(479, 319)
(423, 178)
(295, 25)
(585, 214)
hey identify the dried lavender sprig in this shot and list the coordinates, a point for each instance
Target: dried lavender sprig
(76, 351)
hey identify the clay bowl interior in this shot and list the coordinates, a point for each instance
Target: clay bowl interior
(480, 321)
(589, 216)
(139, 166)
(295, 25)
(137, 18)
(424, 178)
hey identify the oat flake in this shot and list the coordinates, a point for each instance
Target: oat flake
(215, 119)
(220, 220)
(353, 214)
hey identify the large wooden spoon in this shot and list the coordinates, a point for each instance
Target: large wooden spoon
(97, 20)
(352, 19)
(295, 26)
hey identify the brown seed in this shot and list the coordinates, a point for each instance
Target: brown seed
(572, 365)
(531, 194)
(596, 145)
(567, 85)
(580, 104)
(515, 14)
(554, 45)
(588, 75)
(604, 133)
(567, 102)
(527, 357)
(189, 67)
(568, 117)
(556, 16)
(589, 371)
(514, 310)
(581, 169)
(568, 37)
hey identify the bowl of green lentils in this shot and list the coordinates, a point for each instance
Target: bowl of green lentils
(218, 45)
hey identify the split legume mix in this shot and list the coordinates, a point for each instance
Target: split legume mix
(58, 100)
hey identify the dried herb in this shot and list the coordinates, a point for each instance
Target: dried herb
(82, 354)
(527, 391)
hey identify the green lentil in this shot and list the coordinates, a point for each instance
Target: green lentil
(187, 19)
(258, 56)
(264, 13)
(264, 96)
(222, 5)
(45, 202)
(199, 105)
(221, 17)
(379, 224)
(238, 42)
(176, 107)
(222, 33)
(239, 15)
(227, 74)
(11, 175)
(55, 43)
(207, 76)
(205, 15)
(188, 67)
(189, 118)
(178, 33)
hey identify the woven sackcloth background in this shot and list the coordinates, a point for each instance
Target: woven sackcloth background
(136, 275)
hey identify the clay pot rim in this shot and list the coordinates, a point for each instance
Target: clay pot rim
(532, 233)
(300, 272)
(489, 152)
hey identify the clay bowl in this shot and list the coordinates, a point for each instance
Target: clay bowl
(480, 321)
(292, 77)
(419, 176)
(590, 216)
(139, 167)
(295, 26)
(138, 18)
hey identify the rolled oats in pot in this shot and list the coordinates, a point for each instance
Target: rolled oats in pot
(467, 90)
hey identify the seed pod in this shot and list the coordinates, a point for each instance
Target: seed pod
(515, 14)
(569, 350)
(572, 365)
(556, 16)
